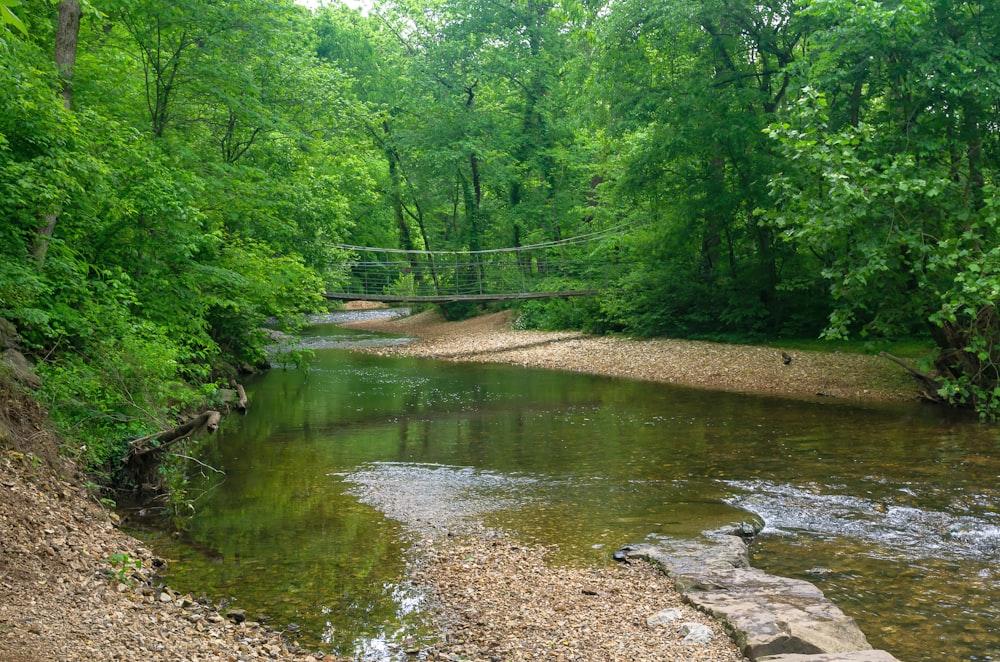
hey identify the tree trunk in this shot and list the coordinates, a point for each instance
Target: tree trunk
(972, 138)
(715, 224)
(43, 236)
(396, 183)
(67, 33)
(241, 396)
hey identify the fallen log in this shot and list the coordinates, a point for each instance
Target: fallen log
(207, 420)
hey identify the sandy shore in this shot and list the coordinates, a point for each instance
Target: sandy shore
(717, 366)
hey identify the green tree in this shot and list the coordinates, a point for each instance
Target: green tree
(687, 90)
(891, 178)
(178, 235)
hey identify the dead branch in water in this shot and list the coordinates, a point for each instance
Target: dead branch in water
(144, 454)
(241, 396)
(207, 420)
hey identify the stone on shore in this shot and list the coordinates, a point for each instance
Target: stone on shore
(767, 615)
(855, 656)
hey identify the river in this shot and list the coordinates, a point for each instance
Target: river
(891, 510)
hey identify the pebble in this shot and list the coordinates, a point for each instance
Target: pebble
(696, 633)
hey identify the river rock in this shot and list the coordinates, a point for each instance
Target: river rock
(768, 615)
(696, 633)
(665, 617)
(854, 656)
(21, 368)
(695, 565)
(8, 335)
(775, 615)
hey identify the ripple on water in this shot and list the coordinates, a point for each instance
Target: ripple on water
(436, 498)
(901, 531)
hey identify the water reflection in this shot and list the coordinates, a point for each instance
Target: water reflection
(892, 510)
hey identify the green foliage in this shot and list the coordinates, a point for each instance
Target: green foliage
(891, 179)
(116, 388)
(460, 310)
(688, 87)
(122, 564)
(166, 256)
(582, 313)
(246, 289)
(8, 19)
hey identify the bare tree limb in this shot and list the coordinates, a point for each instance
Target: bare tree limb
(207, 420)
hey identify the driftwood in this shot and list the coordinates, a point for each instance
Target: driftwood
(207, 420)
(144, 454)
(241, 396)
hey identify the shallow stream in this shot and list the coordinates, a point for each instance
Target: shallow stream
(892, 510)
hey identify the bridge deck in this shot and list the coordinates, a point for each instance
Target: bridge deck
(448, 298)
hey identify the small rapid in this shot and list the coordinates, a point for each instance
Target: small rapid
(894, 526)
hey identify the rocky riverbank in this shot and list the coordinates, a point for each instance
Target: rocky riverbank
(716, 366)
(75, 587)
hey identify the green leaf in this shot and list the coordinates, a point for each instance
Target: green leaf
(7, 17)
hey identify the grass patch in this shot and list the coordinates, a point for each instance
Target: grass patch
(906, 348)
(914, 348)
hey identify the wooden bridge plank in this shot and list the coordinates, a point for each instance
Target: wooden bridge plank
(448, 298)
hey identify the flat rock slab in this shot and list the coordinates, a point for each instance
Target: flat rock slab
(771, 618)
(772, 622)
(856, 656)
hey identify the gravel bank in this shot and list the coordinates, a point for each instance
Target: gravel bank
(716, 366)
(500, 600)
(75, 588)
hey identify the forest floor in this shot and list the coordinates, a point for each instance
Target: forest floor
(73, 586)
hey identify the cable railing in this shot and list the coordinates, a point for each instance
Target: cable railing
(541, 270)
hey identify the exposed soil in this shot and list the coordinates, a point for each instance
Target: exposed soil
(74, 587)
(716, 366)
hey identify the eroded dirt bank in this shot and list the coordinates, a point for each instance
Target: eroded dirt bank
(717, 366)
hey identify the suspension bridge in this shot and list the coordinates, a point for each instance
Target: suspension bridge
(538, 271)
